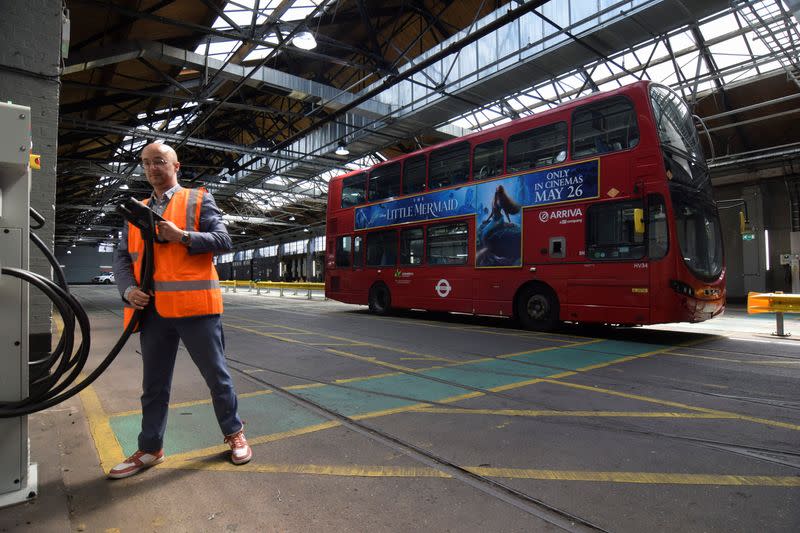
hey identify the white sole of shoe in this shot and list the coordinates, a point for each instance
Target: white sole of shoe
(123, 475)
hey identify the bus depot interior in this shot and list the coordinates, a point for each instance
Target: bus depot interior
(490, 269)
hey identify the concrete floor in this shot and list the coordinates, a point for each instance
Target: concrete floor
(432, 422)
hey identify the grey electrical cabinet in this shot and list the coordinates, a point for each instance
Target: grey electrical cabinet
(15, 146)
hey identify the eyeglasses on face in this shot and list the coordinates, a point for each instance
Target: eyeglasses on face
(158, 162)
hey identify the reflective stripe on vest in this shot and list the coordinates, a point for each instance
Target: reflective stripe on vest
(184, 285)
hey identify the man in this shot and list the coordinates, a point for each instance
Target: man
(186, 305)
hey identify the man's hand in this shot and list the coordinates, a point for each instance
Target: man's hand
(138, 298)
(169, 232)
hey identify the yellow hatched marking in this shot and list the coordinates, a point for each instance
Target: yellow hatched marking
(106, 443)
(212, 450)
(550, 413)
(490, 330)
(509, 473)
(679, 405)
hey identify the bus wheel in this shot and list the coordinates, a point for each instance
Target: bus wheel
(537, 308)
(380, 301)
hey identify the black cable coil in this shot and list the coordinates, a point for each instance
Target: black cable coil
(52, 378)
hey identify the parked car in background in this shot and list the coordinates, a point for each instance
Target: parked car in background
(105, 277)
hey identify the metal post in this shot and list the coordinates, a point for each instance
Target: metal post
(779, 326)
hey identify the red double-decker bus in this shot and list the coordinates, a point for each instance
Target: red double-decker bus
(597, 211)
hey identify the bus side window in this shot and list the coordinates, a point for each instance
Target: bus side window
(610, 231)
(353, 190)
(539, 147)
(414, 174)
(411, 247)
(382, 248)
(449, 166)
(448, 244)
(657, 232)
(384, 182)
(343, 251)
(487, 160)
(358, 251)
(602, 127)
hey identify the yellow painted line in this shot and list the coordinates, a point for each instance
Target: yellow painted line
(253, 441)
(550, 413)
(371, 360)
(430, 358)
(490, 330)
(679, 405)
(742, 361)
(108, 447)
(320, 470)
(662, 478)
(334, 344)
(639, 477)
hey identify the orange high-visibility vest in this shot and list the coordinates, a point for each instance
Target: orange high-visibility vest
(184, 285)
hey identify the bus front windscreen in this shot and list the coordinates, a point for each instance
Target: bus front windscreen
(698, 231)
(683, 155)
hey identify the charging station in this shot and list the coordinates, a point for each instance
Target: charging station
(18, 477)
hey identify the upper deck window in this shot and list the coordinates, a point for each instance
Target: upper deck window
(539, 147)
(384, 182)
(601, 127)
(487, 159)
(414, 172)
(449, 165)
(353, 190)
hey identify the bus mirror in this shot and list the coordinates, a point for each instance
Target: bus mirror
(638, 221)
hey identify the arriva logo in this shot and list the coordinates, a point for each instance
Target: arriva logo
(560, 214)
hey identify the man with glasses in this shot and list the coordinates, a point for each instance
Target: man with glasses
(186, 305)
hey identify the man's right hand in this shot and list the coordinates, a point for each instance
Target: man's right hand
(138, 298)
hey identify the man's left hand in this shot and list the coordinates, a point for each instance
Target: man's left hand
(169, 232)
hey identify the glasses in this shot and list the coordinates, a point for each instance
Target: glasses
(153, 162)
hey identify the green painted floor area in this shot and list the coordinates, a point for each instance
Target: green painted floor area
(195, 427)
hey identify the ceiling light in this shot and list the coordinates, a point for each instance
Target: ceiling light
(342, 149)
(124, 187)
(292, 219)
(69, 251)
(243, 232)
(306, 230)
(304, 40)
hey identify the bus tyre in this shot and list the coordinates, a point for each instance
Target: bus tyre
(380, 301)
(537, 308)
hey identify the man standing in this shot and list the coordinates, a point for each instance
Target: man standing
(186, 305)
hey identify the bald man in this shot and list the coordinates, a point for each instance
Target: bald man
(186, 305)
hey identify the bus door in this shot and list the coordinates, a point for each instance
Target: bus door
(657, 231)
(614, 283)
(345, 274)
